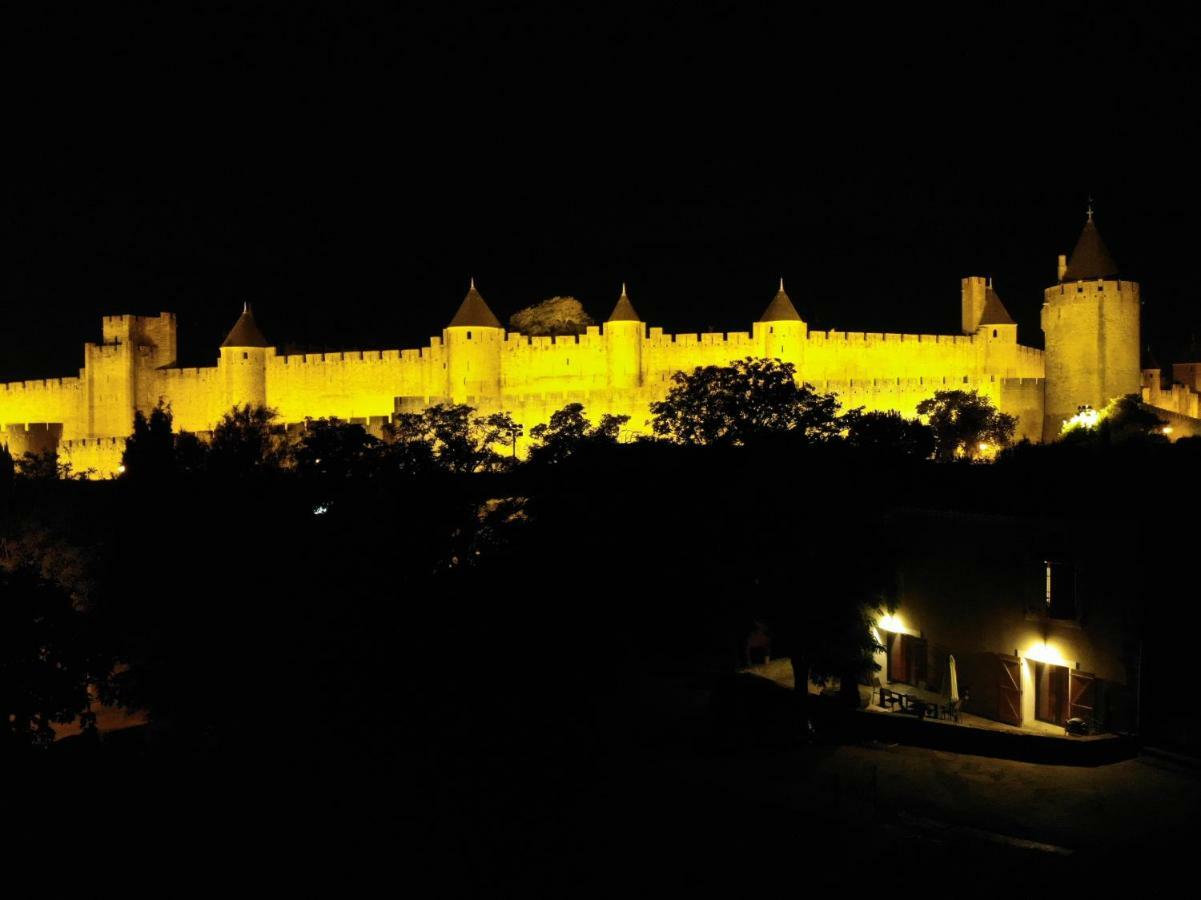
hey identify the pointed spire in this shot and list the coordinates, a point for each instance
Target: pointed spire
(624, 310)
(1090, 259)
(994, 312)
(474, 312)
(780, 309)
(245, 332)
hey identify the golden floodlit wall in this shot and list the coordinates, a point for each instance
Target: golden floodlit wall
(620, 368)
(1177, 404)
(1092, 333)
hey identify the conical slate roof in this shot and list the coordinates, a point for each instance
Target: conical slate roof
(474, 312)
(780, 309)
(245, 332)
(624, 310)
(1090, 259)
(994, 312)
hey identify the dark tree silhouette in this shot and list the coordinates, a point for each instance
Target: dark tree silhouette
(150, 450)
(330, 448)
(8, 470)
(42, 466)
(460, 443)
(191, 453)
(245, 441)
(966, 424)
(499, 428)
(888, 433)
(741, 402)
(49, 656)
(569, 430)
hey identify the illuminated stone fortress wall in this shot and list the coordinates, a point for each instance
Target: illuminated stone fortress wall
(620, 367)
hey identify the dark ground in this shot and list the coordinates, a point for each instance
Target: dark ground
(573, 811)
(332, 699)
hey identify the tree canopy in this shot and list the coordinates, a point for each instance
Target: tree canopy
(150, 450)
(888, 433)
(333, 449)
(569, 430)
(49, 656)
(1122, 419)
(460, 442)
(741, 402)
(246, 441)
(558, 315)
(966, 424)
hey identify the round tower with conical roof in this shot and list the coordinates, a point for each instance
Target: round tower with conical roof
(623, 333)
(781, 331)
(242, 368)
(473, 340)
(1091, 323)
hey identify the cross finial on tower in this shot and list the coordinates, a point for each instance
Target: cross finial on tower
(472, 285)
(623, 289)
(1090, 207)
(781, 284)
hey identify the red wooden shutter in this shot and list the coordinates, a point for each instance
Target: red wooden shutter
(1009, 692)
(1083, 693)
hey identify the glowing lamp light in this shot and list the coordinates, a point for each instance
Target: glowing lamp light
(121, 470)
(894, 624)
(1046, 653)
(1167, 429)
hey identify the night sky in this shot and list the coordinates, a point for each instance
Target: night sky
(347, 171)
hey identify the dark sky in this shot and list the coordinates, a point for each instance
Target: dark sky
(346, 171)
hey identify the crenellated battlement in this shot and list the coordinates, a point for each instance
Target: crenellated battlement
(610, 369)
(41, 384)
(619, 367)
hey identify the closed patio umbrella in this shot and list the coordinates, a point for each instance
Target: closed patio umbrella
(954, 677)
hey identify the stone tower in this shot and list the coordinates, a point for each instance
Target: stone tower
(242, 367)
(1091, 323)
(780, 331)
(473, 342)
(623, 344)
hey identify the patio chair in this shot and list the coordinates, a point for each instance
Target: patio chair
(890, 699)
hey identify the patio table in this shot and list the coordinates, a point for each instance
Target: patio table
(916, 706)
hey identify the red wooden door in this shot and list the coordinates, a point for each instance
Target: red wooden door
(1082, 691)
(1009, 690)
